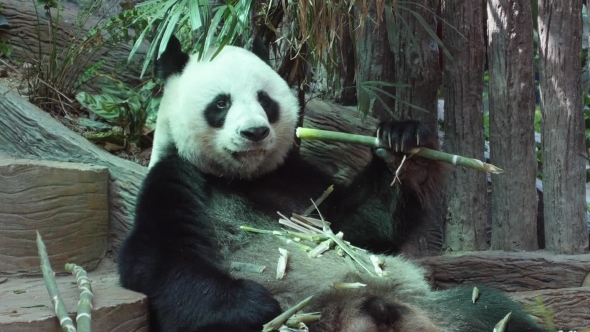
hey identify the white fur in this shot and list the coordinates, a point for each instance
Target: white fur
(241, 74)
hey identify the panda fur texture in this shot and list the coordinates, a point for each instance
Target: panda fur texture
(222, 158)
(402, 301)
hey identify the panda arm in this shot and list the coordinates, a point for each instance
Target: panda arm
(171, 257)
(374, 214)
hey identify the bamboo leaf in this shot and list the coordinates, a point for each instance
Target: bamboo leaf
(195, 14)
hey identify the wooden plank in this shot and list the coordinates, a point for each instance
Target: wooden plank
(66, 202)
(509, 271)
(570, 306)
(25, 305)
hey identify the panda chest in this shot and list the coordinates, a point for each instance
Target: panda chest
(263, 197)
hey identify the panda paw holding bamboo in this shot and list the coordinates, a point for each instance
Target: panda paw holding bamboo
(401, 137)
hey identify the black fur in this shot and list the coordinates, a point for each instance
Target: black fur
(216, 110)
(172, 61)
(260, 49)
(186, 220)
(271, 108)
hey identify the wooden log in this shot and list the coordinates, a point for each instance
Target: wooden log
(25, 40)
(570, 306)
(28, 132)
(66, 202)
(26, 306)
(509, 271)
(342, 160)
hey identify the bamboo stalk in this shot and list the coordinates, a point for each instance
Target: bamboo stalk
(333, 136)
(318, 201)
(67, 325)
(83, 317)
(282, 318)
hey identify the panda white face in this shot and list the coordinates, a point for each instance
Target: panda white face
(233, 116)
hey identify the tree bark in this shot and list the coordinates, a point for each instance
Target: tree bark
(512, 133)
(416, 62)
(375, 61)
(463, 83)
(507, 271)
(560, 41)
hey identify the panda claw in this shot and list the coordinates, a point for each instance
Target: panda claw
(389, 139)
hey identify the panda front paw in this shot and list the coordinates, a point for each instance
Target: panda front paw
(403, 136)
(255, 305)
(400, 137)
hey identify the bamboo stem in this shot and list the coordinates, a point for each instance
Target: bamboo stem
(67, 325)
(333, 136)
(282, 318)
(83, 317)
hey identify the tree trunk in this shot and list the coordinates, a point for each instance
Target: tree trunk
(560, 42)
(346, 94)
(463, 82)
(512, 133)
(416, 62)
(375, 61)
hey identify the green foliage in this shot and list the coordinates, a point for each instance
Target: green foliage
(218, 25)
(312, 38)
(57, 74)
(539, 309)
(6, 48)
(121, 105)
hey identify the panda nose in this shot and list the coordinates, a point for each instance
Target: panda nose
(255, 133)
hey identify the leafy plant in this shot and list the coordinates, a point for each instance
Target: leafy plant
(124, 106)
(6, 48)
(58, 72)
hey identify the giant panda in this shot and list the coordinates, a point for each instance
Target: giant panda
(223, 156)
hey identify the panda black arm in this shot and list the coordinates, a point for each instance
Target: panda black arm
(375, 215)
(170, 255)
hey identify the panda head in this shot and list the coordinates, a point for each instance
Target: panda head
(231, 116)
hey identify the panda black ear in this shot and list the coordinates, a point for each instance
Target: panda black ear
(172, 60)
(383, 312)
(260, 49)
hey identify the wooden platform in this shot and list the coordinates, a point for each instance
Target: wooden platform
(25, 305)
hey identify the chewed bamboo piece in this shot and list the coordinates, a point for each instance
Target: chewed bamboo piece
(334, 136)
(59, 307)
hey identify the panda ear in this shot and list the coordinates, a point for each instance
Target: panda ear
(260, 49)
(383, 312)
(172, 60)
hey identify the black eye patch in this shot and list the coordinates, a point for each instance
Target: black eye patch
(216, 110)
(271, 107)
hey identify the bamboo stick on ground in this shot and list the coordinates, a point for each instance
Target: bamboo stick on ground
(59, 308)
(333, 136)
(83, 317)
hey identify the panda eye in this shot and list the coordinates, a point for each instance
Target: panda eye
(222, 103)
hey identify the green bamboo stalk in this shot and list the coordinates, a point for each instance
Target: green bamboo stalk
(83, 317)
(333, 136)
(67, 325)
(282, 318)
